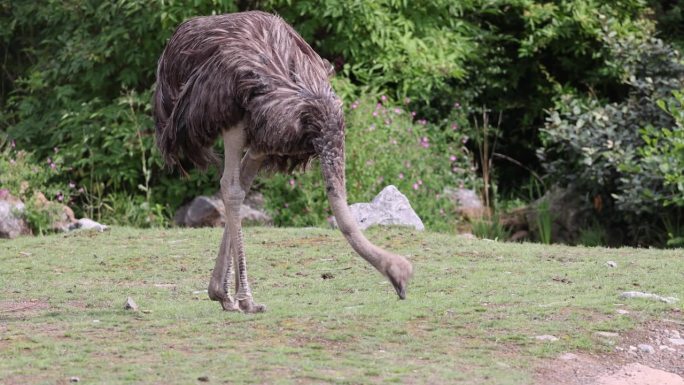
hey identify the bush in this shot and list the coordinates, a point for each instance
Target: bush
(606, 154)
(384, 145)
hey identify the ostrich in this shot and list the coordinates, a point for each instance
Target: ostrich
(251, 79)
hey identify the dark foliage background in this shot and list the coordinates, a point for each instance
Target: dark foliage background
(76, 79)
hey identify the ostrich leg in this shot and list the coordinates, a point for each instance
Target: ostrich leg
(233, 191)
(221, 279)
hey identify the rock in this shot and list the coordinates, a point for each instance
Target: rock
(467, 202)
(206, 211)
(62, 216)
(640, 294)
(130, 304)
(611, 264)
(607, 334)
(667, 349)
(676, 341)
(568, 356)
(203, 378)
(622, 311)
(546, 337)
(12, 222)
(674, 334)
(519, 236)
(389, 208)
(88, 224)
(646, 348)
(74, 379)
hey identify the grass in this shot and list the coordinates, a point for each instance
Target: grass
(472, 311)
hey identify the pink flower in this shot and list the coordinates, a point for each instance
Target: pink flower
(354, 106)
(457, 105)
(72, 184)
(53, 166)
(452, 158)
(422, 121)
(387, 122)
(464, 140)
(292, 183)
(56, 150)
(3, 193)
(425, 142)
(12, 161)
(378, 106)
(81, 190)
(394, 141)
(420, 182)
(375, 113)
(415, 186)
(60, 197)
(401, 175)
(454, 126)
(413, 114)
(383, 98)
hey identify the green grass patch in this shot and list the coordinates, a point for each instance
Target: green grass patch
(472, 311)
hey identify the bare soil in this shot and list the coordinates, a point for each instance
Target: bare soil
(627, 363)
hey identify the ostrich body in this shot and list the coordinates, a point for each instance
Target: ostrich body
(252, 80)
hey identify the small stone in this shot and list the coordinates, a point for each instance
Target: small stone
(568, 356)
(74, 379)
(622, 311)
(674, 334)
(607, 334)
(546, 337)
(646, 348)
(632, 348)
(677, 341)
(203, 378)
(611, 264)
(130, 304)
(640, 294)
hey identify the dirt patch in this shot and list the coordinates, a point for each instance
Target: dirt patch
(21, 309)
(649, 355)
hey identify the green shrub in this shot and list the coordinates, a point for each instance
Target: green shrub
(384, 146)
(604, 151)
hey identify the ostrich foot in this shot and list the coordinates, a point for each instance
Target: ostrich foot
(227, 302)
(248, 305)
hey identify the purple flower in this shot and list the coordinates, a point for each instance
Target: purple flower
(413, 114)
(422, 121)
(383, 98)
(425, 142)
(452, 158)
(397, 110)
(60, 197)
(72, 184)
(415, 186)
(53, 166)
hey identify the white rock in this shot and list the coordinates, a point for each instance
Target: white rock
(389, 208)
(546, 337)
(89, 224)
(568, 356)
(640, 294)
(677, 341)
(607, 334)
(646, 348)
(674, 334)
(611, 264)
(622, 311)
(130, 304)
